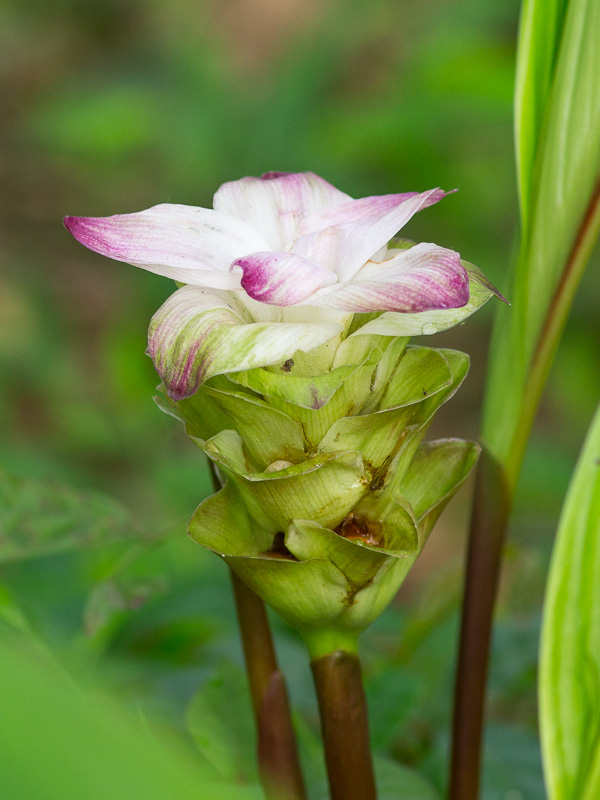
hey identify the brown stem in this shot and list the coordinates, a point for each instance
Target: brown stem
(491, 506)
(278, 761)
(344, 723)
(259, 651)
(491, 509)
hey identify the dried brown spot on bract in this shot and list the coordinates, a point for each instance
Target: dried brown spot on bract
(278, 549)
(287, 365)
(358, 528)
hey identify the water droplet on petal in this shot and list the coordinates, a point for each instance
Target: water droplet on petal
(428, 329)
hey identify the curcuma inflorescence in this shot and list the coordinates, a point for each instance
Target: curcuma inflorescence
(285, 353)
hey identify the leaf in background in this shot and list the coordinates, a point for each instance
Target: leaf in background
(569, 686)
(512, 764)
(112, 598)
(42, 517)
(112, 121)
(562, 210)
(10, 613)
(221, 722)
(396, 782)
(59, 742)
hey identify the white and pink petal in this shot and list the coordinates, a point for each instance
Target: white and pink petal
(361, 210)
(424, 278)
(195, 335)
(188, 244)
(281, 279)
(346, 247)
(276, 203)
(426, 323)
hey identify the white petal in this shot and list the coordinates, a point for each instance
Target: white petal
(275, 204)
(186, 243)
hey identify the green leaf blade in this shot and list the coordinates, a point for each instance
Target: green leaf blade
(220, 721)
(569, 688)
(40, 517)
(539, 36)
(560, 221)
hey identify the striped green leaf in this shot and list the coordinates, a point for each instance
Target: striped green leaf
(569, 686)
(558, 141)
(539, 39)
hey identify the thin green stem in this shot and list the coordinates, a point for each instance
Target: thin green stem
(344, 723)
(492, 503)
(279, 765)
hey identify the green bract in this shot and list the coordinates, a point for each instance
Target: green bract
(329, 491)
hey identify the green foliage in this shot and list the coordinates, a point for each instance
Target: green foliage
(570, 649)
(42, 517)
(10, 613)
(539, 40)
(512, 764)
(221, 723)
(116, 595)
(558, 141)
(60, 741)
(395, 782)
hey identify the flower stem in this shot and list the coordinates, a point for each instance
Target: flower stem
(344, 724)
(278, 761)
(491, 507)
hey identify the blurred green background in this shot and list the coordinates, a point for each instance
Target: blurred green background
(114, 106)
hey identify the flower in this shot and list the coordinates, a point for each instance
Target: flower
(285, 354)
(288, 250)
